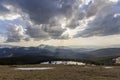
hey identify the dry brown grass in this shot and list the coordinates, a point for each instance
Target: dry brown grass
(60, 72)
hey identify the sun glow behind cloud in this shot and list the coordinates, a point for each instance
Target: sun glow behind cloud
(114, 0)
(106, 41)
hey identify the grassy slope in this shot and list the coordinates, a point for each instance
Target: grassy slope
(60, 72)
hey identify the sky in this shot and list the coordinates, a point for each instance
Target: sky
(60, 22)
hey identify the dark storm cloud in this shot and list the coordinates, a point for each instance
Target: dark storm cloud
(36, 32)
(45, 31)
(3, 10)
(97, 7)
(47, 13)
(41, 11)
(107, 26)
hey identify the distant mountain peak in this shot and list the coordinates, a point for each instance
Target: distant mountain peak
(7, 46)
(42, 46)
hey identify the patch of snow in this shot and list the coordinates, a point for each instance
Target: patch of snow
(26, 48)
(64, 62)
(108, 67)
(10, 55)
(44, 63)
(42, 68)
(75, 63)
(59, 62)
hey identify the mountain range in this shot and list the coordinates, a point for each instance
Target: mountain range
(31, 55)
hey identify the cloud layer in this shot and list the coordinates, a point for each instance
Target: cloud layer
(61, 19)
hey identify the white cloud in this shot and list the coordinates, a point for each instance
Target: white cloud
(114, 1)
(16, 33)
(2, 38)
(116, 15)
(10, 16)
(86, 2)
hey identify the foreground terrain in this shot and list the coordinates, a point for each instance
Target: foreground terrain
(60, 72)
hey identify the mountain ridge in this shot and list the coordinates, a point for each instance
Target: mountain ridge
(55, 53)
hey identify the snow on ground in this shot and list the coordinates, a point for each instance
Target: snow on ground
(65, 63)
(108, 67)
(42, 68)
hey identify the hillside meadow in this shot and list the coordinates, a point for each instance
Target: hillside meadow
(60, 72)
